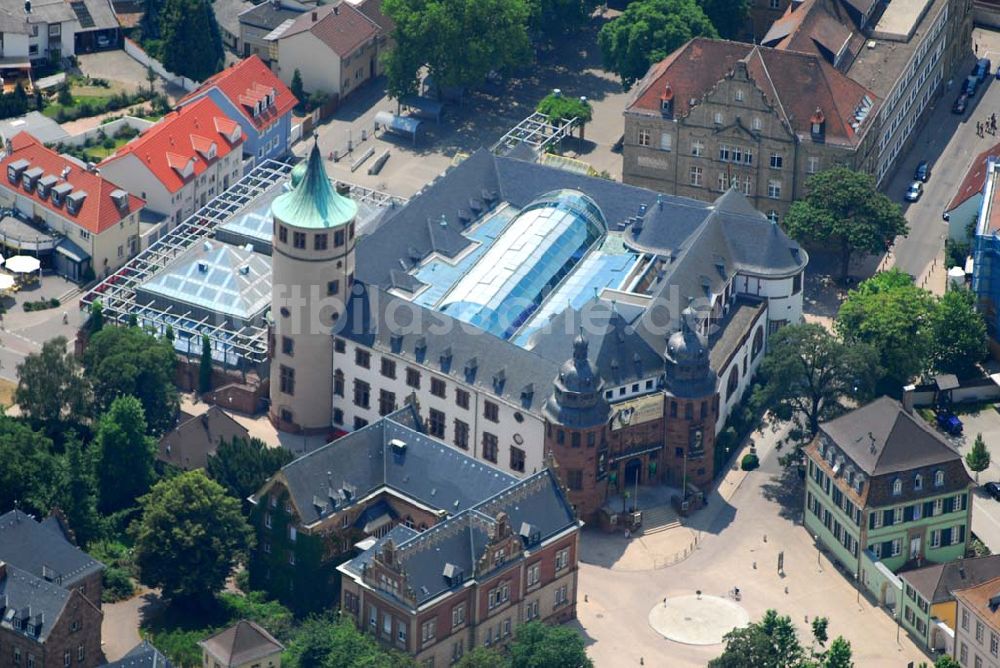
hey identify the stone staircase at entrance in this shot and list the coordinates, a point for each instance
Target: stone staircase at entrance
(659, 518)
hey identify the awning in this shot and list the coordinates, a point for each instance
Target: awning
(72, 251)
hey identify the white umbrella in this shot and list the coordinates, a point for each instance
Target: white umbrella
(22, 264)
(6, 281)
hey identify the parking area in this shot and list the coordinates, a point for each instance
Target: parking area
(572, 65)
(985, 420)
(116, 65)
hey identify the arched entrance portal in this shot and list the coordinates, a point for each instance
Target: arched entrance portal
(633, 473)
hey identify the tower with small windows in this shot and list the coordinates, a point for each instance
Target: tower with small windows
(312, 267)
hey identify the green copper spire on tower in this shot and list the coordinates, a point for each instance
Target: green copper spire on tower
(314, 203)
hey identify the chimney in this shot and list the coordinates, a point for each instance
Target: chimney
(336, 9)
(315, 16)
(908, 391)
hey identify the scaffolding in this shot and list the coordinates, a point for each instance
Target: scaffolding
(537, 132)
(116, 293)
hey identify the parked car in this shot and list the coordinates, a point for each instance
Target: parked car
(948, 422)
(982, 69)
(922, 172)
(961, 104)
(993, 489)
(914, 192)
(971, 85)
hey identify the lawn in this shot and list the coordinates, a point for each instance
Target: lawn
(96, 101)
(98, 152)
(7, 388)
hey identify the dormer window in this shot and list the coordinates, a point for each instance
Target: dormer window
(667, 102)
(897, 487)
(939, 478)
(817, 125)
(918, 482)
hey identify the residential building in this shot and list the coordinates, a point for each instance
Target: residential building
(45, 30)
(884, 491)
(196, 437)
(962, 213)
(977, 634)
(335, 48)
(182, 162)
(46, 625)
(84, 223)
(929, 607)
(36, 124)
(608, 258)
(46, 550)
(250, 94)
(257, 21)
(143, 655)
(243, 645)
(832, 82)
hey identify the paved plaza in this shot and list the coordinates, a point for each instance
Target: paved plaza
(697, 619)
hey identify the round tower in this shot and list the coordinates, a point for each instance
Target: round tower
(312, 270)
(692, 406)
(576, 423)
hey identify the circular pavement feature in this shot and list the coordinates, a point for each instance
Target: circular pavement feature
(697, 621)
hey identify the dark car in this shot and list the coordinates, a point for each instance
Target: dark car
(993, 489)
(961, 104)
(982, 69)
(949, 423)
(922, 172)
(971, 85)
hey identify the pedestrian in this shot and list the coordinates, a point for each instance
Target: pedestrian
(628, 533)
(979, 129)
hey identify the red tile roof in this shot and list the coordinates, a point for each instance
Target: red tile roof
(246, 83)
(168, 147)
(98, 212)
(795, 83)
(342, 27)
(975, 178)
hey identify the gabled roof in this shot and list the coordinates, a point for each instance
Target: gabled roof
(342, 27)
(975, 177)
(794, 83)
(143, 655)
(882, 438)
(269, 15)
(99, 210)
(242, 643)
(45, 553)
(246, 84)
(983, 599)
(35, 603)
(939, 582)
(168, 147)
(196, 437)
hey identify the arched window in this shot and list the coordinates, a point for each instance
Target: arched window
(938, 478)
(897, 487)
(733, 383)
(758, 343)
(918, 481)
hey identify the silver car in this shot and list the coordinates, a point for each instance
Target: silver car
(914, 192)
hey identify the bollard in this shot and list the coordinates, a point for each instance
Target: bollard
(765, 538)
(786, 590)
(755, 565)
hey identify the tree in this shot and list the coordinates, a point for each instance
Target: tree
(205, 365)
(297, 88)
(96, 321)
(839, 655)
(769, 643)
(558, 109)
(192, 41)
(958, 334)
(78, 494)
(327, 642)
(29, 476)
(893, 316)
(554, 17)
(819, 629)
(978, 458)
(842, 207)
(65, 96)
(123, 455)
(460, 41)
(242, 466)
(482, 657)
(125, 361)
(728, 16)
(190, 536)
(943, 661)
(537, 645)
(151, 77)
(51, 389)
(807, 370)
(647, 32)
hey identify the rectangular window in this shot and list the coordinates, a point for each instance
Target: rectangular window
(436, 423)
(935, 538)
(517, 459)
(283, 234)
(287, 380)
(696, 174)
(288, 346)
(299, 239)
(490, 448)
(428, 630)
(774, 189)
(362, 394)
(362, 358)
(697, 149)
(438, 388)
(897, 515)
(339, 345)
(980, 630)
(812, 165)
(897, 547)
(319, 242)
(723, 181)
(965, 619)
(562, 559)
(332, 288)
(644, 138)
(461, 434)
(413, 378)
(458, 615)
(938, 506)
(338, 238)
(666, 141)
(461, 398)
(388, 367)
(994, 644)
(386, 402)
(491, 411)
(776, 161)
(724, 152)
(574, 479)
(534, 574)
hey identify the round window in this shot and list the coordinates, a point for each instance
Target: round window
(285, 312)
(518, 417)
(518, 439)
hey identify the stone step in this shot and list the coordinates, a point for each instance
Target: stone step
(659, 518)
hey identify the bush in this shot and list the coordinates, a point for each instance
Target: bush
(750, 462)
(108, 143)
(118, 585)
(41, 305)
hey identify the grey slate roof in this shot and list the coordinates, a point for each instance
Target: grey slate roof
(241, 643)
(374, 318)
(270, 15)
(196, 438)
(143, 655)
(937, 583)
(37, 603)
(38, 549)
(365, 461)
(882, 438)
